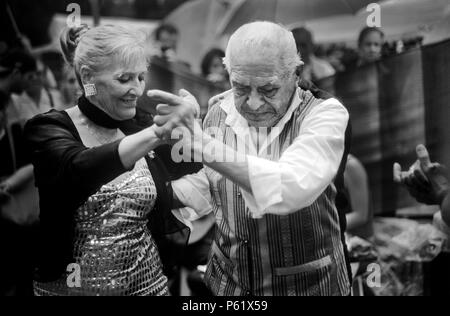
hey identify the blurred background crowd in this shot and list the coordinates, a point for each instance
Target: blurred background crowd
(393, 78)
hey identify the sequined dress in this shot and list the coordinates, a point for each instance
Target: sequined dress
(113, 247)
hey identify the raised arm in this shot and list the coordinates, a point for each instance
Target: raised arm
(428, 182)
(303, 172)
(63, 163)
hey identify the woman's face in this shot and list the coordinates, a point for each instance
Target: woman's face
(119, 87)
(371, 47)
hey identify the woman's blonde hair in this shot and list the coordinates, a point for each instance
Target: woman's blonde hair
(101, 46)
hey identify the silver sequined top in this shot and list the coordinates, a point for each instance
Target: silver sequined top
(113, 247)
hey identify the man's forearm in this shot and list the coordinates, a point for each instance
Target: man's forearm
(235, 171)
(224, 160)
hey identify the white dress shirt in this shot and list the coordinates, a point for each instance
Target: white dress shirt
(297, 179)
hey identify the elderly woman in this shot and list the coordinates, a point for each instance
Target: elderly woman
(104, 199)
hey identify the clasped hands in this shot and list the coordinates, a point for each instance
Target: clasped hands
(175, 111)
(428, 182)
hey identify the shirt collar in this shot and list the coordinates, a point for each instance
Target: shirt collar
(240, 125)
(234, 118)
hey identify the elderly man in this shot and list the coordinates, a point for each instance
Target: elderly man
(277, 226)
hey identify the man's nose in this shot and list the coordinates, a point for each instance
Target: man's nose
(255, 101)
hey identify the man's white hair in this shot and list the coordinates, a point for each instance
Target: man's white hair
(264, 38)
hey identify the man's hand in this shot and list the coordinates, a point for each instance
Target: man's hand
(426, 181)
(174, 111)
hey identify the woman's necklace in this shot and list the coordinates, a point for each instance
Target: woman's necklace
(99, 124)
(101, 134)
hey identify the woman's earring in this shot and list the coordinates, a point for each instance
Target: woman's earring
(90, 89)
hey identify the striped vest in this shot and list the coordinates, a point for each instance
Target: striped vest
(292, 255)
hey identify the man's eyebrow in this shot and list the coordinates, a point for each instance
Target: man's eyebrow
(239, 84)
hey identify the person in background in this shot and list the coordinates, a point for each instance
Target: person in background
(370, 45)
(166, 37)
(36, 98)
(16, 173)
(427, 182)
(214, 70)
(15, 67)
(335, 56)
(162, 49)
(354, 199)
(315, 68)
(69, 88)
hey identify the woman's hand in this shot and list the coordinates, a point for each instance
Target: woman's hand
(174, 112)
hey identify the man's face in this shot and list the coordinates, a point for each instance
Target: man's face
(262, 91)
(371, 46)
